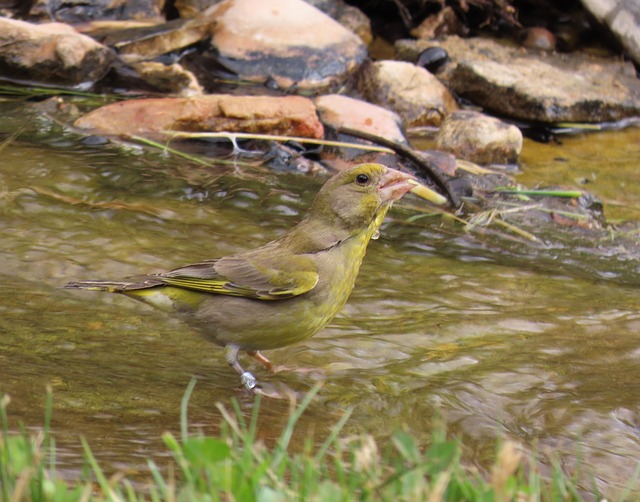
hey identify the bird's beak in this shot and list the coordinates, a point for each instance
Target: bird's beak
(394, 184)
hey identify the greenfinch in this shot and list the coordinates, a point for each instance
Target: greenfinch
(286, 290)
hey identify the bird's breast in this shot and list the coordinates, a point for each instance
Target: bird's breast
(253, 324)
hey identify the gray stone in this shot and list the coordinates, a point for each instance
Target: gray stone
(529, 85)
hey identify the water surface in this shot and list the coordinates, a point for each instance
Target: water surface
(439, 324)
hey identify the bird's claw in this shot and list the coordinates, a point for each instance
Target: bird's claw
(248, 381)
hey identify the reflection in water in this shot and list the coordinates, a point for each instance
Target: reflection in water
(496, 346)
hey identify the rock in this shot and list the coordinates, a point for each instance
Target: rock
(172, 78)
(52, 54)
(348, 16)
(623, 19)
(479, 138)
(432, 59)
(288, 42)
(356, 21)
(79, 11)
(445, 22)
(445, 161)
(537, 38)
(532, 85)
(139, 43)
(336, 111)
(410, 91)
(288, 116)
(192, 8)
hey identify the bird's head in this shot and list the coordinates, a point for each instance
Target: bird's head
(353, 198)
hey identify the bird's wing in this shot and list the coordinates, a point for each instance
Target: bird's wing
(250, 276)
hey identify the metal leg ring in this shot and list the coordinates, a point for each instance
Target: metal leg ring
(248, 380)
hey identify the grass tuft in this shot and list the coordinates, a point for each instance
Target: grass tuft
(236, 465)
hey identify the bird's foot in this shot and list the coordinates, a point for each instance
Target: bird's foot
(250, 383)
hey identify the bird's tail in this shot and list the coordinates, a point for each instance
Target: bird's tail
(111, 286)
(148, 290)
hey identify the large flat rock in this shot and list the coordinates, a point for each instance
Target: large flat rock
(546, 87)
(288, 115)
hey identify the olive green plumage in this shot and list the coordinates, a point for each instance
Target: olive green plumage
(286, 290)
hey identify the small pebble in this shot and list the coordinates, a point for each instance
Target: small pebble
(538, 38)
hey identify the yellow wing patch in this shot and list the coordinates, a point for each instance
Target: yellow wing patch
(247, 278)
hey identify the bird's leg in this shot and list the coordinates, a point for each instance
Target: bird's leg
(246, 378)
(258, 356)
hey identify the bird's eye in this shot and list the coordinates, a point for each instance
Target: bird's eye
(362, 179)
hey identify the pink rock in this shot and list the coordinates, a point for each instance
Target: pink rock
(341, 111)
(287, 116)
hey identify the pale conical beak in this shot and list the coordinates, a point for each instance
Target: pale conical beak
(394, 184)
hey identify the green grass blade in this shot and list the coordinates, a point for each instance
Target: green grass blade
(105, 486)
(572, 194)
(184, 405)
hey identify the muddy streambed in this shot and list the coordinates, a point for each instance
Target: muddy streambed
(497, 345)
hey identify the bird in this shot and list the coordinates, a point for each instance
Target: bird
(286, 290)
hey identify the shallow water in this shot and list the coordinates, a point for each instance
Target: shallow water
(438, 324)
